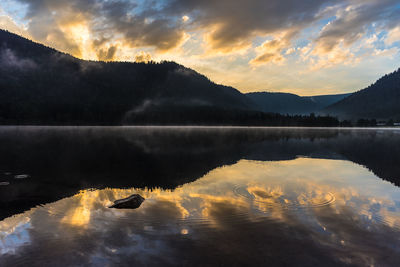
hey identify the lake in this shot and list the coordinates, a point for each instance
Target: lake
(215, 196)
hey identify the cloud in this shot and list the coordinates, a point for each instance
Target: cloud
(106, 54)
(212, 213)
(231, 25)
(93, 28)
(53, 23)
(155, 34)
(270, 51)
(389, 52)
(8, 59)
(227, 26)
(393, 36)
(143, 57)
(273, 50)
(221, 36)
(338, 55)
(6, 22)
(353, 21)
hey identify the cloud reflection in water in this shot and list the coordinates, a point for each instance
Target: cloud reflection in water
(303, 211)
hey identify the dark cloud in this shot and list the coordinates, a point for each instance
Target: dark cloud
(144, 28)
(157, 33)
(107, 54)
(234, 23)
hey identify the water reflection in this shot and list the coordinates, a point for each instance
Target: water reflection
(60, 161)
(298, 212)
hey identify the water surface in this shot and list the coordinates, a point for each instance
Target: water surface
(214, 196)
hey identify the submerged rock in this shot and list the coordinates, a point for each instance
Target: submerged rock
(131, 202)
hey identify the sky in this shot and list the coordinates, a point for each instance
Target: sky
(308, 47)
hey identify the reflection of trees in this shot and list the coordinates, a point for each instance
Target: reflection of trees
(63, 161)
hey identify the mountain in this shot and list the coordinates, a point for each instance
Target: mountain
(39, 85)
(285, 103)
(380, 100)
(323, 101)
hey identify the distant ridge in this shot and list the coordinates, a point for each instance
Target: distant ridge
(292, 104)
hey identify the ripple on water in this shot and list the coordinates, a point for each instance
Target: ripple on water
(269, 199)
(153, 212)
(22, 176)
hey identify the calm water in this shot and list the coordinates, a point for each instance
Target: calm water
(214, 196)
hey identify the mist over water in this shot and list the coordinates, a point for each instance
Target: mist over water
(214, 196)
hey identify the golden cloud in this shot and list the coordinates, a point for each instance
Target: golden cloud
(6, 22)
(273, 50)
(143, 57)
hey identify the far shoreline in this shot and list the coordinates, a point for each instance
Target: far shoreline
(199, 127)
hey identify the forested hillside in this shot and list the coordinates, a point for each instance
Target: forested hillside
(39, 85)
(380, 100)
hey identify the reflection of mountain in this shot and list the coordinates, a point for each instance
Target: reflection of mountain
(61, 161)
(209, 221)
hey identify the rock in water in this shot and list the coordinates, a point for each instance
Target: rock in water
(131, 202)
